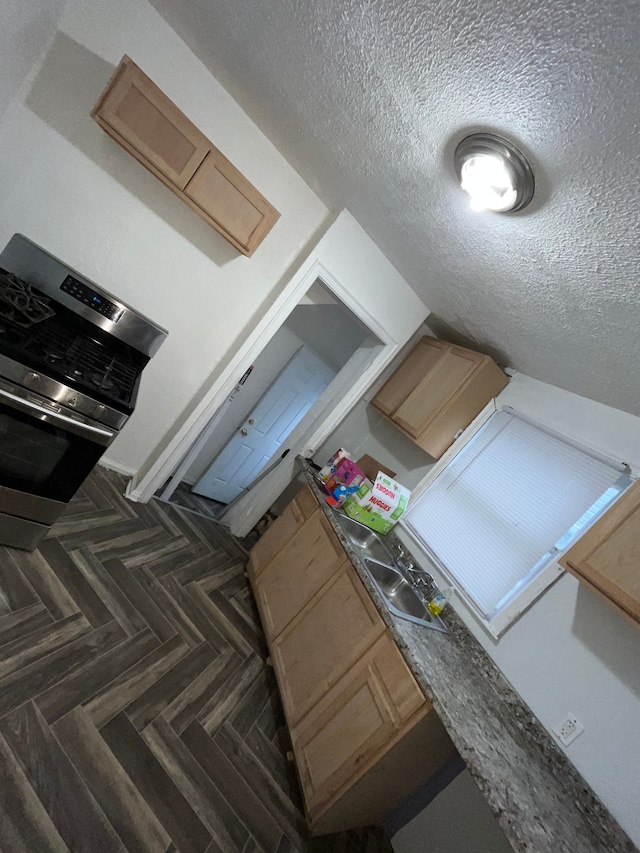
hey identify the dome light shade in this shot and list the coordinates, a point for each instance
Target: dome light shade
(494, 173)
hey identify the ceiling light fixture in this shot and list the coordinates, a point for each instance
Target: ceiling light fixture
(495, 174)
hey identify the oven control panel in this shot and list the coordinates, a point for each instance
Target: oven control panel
(92, 299)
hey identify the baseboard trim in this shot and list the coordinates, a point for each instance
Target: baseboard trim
(118, 467)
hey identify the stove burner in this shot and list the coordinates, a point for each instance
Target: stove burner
(61, 346)
(101, 381)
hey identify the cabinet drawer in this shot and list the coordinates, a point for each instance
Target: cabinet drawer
(325, 639)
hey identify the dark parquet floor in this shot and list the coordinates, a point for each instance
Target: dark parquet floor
(136, 710)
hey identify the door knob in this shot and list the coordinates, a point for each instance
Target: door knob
(243, 431)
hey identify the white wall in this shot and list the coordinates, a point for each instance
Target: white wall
(26, 28)
(571, 651)
(318, 295)
(458, 820)
(274, 357)
(69, 187)
(329, 330)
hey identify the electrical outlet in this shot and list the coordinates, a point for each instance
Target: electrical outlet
(568, 730)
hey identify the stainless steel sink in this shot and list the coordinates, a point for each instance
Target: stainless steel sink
(397, 592)
(400, 597)
(364, 540)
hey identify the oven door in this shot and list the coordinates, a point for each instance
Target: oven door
(44, 455)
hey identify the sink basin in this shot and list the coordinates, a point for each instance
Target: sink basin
(398, 594)
(400, 597)
(366, 541)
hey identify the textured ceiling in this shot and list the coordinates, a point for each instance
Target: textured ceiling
(368, 98)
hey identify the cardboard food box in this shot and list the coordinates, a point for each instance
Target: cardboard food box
(378, 505)
(372, 467)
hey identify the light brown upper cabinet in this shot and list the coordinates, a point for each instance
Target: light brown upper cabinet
(607, 557)
(437, 391)
(144, 121)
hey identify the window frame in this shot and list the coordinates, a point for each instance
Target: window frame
(521, 602)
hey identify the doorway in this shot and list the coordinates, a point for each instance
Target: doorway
(287, 382)
(357, 273)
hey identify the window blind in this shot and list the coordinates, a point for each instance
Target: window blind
(502, 507)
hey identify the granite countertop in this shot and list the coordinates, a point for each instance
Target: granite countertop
(542, 803)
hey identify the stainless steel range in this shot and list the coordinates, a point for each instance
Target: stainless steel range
(71, 356)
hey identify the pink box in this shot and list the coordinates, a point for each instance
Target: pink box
(347, 473)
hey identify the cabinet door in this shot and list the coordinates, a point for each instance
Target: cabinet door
(436, 388)
(420, 361)
(225, 195)
(327, 637)
(485, 384)
(292, 518)
(297, 572)
(608, 555)
(356, 723)
(149, 124)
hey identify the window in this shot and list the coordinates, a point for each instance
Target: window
(496, 518)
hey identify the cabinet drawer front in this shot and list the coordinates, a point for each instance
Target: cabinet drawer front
(151, 123)
(298, 571)
(228, 197)
(325, 639)
(356, 722)
(422, 358)
(438, 386)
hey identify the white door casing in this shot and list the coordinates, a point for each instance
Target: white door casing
(266, 428)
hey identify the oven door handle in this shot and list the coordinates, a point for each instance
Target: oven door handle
(102, 436)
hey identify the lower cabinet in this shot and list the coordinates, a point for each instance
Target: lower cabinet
(281, 531)
(327, 638)
(304, 563)
(363, 733)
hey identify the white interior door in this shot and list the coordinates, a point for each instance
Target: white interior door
(283, 406)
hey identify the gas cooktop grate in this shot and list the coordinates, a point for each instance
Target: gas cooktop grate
(87, 363)
(19, 303)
